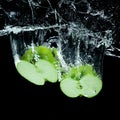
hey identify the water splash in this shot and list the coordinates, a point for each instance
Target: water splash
(76, 44)
(81, 33)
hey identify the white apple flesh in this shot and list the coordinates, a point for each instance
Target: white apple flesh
(29, 72)
(47, 70)
(91, 85)
(88, 86)
(39, 73)
(70, 87)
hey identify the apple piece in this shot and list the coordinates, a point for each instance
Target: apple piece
(91, 85)
(31, 55)
(47, 70)
(77, 72)
(46, 54)
(87, 69)
(28, 55)
(29, 72)
(81, 81)
(71, 73)
(70, 87)
(40, 52)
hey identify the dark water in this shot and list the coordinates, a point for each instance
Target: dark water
(83, 30)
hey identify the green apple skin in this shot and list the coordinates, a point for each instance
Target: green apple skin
(28, 55)
(70, 87)
(40, 52)
(91, 85)
(30, 73)
(77, 72)
(46, 54)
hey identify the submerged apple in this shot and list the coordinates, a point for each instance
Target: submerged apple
(81, 81)
(38, 65)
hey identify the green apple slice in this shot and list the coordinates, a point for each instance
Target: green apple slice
(91, 85)
(47, 70)
(29, 71)
(70, 87)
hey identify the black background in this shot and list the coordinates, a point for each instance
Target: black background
(48, 101)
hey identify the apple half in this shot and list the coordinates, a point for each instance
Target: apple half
(39, 73)
(89, 86)
(81, 81)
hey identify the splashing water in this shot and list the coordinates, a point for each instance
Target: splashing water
(81, 34)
